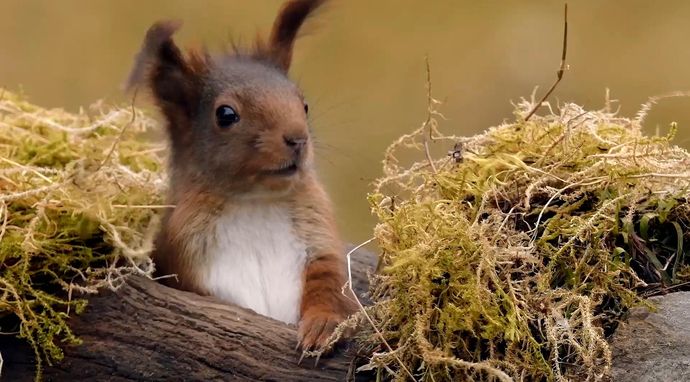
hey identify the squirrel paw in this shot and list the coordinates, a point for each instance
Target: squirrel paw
(315, 328)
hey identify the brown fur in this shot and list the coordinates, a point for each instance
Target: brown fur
(323, 302)
(182, 242)
(213, 167)
(284, 33)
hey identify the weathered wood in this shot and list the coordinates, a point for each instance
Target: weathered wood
(148, 332)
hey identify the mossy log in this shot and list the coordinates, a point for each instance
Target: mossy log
(148, 332)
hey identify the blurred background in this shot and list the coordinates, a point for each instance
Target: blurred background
(362, 64)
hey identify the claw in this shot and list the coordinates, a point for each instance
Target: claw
(301, 357)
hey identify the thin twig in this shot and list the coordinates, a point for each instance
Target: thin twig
(26, 168)
(364, 312)
(430, 111)
(664, 290)
(561, 69)
(146, 206)
(122, 132)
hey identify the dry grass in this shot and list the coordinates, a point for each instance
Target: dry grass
(513, 257)
(79, 195)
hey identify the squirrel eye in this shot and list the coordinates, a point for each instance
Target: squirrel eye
(226, 116)
(306, 108)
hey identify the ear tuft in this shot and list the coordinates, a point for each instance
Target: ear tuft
(158, 35)
(285, 29)
(174, 80)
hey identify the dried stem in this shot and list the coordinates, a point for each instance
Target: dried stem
(363, 311)
(430, 112)
(561, 69)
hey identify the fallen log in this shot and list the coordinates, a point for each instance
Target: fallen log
(148, 332)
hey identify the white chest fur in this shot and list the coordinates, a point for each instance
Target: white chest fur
(256, 261)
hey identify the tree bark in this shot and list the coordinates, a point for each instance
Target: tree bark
(148, 332)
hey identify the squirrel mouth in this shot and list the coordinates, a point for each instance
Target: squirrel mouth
(287, 169)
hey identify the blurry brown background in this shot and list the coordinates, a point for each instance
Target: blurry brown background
(362, 65)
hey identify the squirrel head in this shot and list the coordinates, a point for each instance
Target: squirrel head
(235, 121)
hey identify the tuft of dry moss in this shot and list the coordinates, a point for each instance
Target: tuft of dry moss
(513, 257)
(78, 199)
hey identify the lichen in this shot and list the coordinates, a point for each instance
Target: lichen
(514, 257)
(79, 197)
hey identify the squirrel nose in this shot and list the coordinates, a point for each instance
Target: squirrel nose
(295, 142)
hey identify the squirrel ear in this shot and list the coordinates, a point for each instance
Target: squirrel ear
(161, 66)
(285, 29)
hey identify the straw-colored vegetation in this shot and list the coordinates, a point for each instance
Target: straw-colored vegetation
(513, 257)
(510, 258)
(78, 193)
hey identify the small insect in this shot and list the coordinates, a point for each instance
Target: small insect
(456, 152)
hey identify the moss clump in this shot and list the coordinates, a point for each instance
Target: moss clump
(513, 257)
(77, 204)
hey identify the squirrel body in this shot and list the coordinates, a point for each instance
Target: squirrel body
(252, 225)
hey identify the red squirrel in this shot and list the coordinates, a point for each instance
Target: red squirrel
(252, 225)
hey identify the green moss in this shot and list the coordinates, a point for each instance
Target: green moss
(515, 256)
(71, 190)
